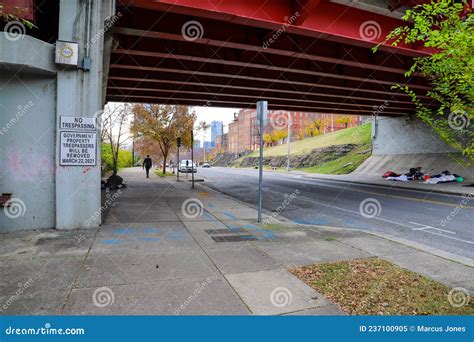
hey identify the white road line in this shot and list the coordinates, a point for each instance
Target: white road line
(424, 227)
(385, 220)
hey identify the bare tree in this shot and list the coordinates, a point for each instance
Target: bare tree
(114, 129)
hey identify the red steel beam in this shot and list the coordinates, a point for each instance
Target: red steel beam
(302, 9)
(206, 102)
(215, 96)
(223, 35)
(171, 85)
(181, 74)
(134, 59)
(334, 21)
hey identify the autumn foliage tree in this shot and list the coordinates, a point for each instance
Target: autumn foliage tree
(344, 120)
(163, 124)
(446, 27)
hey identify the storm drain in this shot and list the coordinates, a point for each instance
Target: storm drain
(233, 238)
(223, 231)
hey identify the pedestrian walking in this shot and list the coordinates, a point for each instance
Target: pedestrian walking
(147, 163)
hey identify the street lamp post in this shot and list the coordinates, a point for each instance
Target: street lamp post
(288, 166)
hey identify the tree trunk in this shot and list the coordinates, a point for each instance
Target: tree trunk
(164, 165)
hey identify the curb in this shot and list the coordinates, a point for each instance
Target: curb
(430, 250)
(443, 192)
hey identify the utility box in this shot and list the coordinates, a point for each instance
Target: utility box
(66, 53)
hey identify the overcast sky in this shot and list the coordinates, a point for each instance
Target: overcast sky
(208, 114)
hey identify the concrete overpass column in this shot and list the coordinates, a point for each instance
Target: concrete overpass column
(403, 135)
(80, 94)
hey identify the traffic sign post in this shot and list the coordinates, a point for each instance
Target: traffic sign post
(262, 107)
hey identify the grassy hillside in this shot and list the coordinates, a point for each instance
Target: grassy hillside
(354, 135)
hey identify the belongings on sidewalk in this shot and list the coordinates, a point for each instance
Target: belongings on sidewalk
(444, 177)
(113, 182)
(390, 174)
(415, 173)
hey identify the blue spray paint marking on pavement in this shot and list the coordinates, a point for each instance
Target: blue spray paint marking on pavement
(176, 235)
(149, 239)
(151, 230)
(112, 241)
(210, 205)
(230, 215)
(209, 216)
(122, 231)
(234, 228)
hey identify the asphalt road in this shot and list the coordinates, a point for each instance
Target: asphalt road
(435, 220)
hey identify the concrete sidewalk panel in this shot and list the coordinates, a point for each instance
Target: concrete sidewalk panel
(198, 296)
(275, 292)
(45, 243)
(128, 268)
(301, 254)
(442, 270)
(46, 302)
(376, 245)
(238, 259)
(40, 274)
(130, 214)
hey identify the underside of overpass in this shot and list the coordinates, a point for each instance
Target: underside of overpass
(297, 54)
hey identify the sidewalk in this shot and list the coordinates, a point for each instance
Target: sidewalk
(158, 253)
(454, 188)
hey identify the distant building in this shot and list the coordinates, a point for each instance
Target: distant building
(207, 145)
(217, 128)
(243, 132)
(197, 143)
(221, 142)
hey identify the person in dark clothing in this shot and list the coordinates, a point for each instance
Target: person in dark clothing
(147, 163)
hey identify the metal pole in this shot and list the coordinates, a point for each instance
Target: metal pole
(178, 143)
(192, 158)
(261, 114)
(133, 153)
(288, 166)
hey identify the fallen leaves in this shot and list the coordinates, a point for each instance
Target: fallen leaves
(373, 286)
